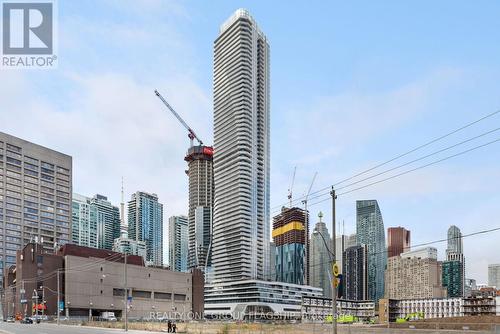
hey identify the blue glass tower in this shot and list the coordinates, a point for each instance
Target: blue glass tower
(370, 232)
(145, 223)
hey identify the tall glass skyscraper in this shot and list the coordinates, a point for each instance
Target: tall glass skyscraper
(145, 223)
(455, 260)
(370, 232)
(241, 231)
(178, 243)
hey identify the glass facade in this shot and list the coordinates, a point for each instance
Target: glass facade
(178, 243)
(370, 232)
(145, 223)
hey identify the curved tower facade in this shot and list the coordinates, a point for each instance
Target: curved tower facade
(241, 231)
(370, 232)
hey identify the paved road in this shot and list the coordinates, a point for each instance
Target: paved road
(17, 328)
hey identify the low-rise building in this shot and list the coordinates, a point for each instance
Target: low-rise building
(429, 308)
(92, 281)
(481, 305)
(319, 308)
(255, 299)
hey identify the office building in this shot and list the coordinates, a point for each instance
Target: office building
(454, 252)
(241, 231)
(370, 232)
(201, 199)
(145, 223)
(95, 222)
(99, 288)
(414, 277)
(398, 241)
(35, 197)
(84, 222)
(342, 242)
(453, 279)
(321, 258)
(355, 273)
(494, 275)
(125, 245)
(178, 243)
(289, 234)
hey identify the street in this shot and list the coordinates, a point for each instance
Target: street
(17, 328)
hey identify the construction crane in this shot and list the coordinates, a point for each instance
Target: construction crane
(290, 190)
(191, 133)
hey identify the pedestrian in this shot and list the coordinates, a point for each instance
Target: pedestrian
(174, 328)
(169, 327)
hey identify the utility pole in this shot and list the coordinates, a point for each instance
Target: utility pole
(334, 251)
(125, 290)
(58, 298)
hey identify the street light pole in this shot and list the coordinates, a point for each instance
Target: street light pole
(334, 251)
(58, 299)
(125, 289)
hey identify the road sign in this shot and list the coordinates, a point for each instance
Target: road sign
(336, 270)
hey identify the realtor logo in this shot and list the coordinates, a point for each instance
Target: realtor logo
(28, 34)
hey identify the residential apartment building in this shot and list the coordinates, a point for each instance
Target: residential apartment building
(411, 277)
(241, 231)
(145, 223)
(453, 279)
(398, 241)
(289, 235)
(370, 232)
(178, 243)
(35, 197)
(95, 222)
(84, 222)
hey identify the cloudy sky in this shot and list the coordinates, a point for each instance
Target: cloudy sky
(353, 84)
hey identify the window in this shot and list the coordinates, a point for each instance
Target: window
(47, 165)
(14, 161)
(31, 160)
(118, 292)
(14, 154)
(179, 297)
(163, 295)
(30, 166)
(141, 294)
(30, 172)
(13, 148)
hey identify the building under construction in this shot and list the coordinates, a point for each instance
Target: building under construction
(289, 235)
(201, 198)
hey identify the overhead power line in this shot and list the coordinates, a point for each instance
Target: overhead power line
(297, 200)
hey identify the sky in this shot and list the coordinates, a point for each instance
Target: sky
(353, 84)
